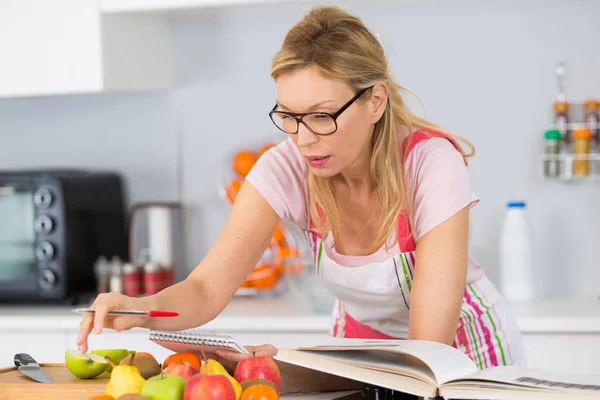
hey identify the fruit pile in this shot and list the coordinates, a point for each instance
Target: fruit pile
(270, 269)
(182, 376)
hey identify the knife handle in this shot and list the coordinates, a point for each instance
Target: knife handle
(24, 359)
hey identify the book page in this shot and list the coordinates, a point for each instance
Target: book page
(512, 377)
(386, 361)
(445, 362)
(322, 361)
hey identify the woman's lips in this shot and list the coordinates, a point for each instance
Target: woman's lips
(317, 161)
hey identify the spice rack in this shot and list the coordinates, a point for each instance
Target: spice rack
(572, 143)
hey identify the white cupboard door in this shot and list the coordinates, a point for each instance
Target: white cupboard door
(49, 47)
(44, 347)
(566, 353)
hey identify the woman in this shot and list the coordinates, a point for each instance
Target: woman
(384, 196)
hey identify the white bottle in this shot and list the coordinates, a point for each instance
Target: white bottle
(517, 280)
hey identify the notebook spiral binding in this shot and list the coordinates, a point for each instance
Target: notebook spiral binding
(192, 338)
(196, 339)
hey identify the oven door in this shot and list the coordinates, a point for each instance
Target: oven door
(18, 262)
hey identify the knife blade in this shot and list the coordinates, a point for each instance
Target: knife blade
(28, 366)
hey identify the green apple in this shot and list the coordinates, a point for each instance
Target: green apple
(83, 365)
(114, 354)
(164, 387)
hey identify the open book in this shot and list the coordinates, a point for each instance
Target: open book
(431, 369)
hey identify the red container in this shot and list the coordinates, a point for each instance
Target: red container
(168, 275)
(133, 284)
(153, 278)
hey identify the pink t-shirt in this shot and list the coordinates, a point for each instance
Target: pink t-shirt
(435, 174)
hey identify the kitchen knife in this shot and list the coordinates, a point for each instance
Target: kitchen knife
(31, 368)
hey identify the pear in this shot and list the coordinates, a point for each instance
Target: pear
(115, 354)
(213, 367)
(124, 379)
(84, 366)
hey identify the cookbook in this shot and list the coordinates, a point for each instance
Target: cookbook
(431, 369)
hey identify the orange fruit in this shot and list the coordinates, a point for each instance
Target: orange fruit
(264, 149)
(243, 162)
(264, 277)
(278, 235)
(259, 392)
(232, 189)
(246, 284)
(283, 253)
(188, 358)
(102, 397)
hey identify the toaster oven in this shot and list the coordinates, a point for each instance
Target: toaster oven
(54, 225)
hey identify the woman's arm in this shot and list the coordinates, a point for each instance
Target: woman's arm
(206, 291)
(439, 280)
(236, 251)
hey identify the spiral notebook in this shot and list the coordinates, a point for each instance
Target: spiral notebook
(179, 341)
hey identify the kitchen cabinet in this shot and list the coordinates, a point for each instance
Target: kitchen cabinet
(166, 6)
(68, 47)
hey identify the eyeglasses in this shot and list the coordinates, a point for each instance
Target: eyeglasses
(319, 123)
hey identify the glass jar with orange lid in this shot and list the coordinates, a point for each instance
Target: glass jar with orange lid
(561, 119)
(581, 151)
(592, 119)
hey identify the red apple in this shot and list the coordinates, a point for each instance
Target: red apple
(262, 367)
(209, 387)
(182, 370)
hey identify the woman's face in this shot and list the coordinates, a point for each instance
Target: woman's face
(349, 147)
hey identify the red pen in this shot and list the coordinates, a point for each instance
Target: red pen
(149, 313)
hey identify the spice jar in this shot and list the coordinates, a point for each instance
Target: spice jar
(102, 272)
(592, 118)
(153, 278)
(116, 278)
(132, 280)
(581, 150)
(551, 151)
(168, 274)
(561, 119)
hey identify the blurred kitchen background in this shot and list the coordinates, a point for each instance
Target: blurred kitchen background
(483, 69)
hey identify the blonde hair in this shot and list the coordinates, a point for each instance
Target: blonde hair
(340, 46)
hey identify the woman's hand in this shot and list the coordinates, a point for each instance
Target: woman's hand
(104, 303)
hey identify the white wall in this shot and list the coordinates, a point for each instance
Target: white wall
(482, 69)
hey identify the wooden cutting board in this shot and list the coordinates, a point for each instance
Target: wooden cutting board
(14, 385)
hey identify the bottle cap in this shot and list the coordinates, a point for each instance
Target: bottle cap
(553, 134)
(516, 204)
(561, 106)
(582, 133)
(592, 104)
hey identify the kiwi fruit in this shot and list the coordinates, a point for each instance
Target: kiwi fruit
(132, 396)
(147, 365)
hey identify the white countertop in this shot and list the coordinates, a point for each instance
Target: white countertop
(282, 314)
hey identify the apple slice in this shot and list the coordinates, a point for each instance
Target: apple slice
(85, 366)
(114, 354)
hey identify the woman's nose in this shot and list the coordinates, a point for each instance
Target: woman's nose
(305, 136)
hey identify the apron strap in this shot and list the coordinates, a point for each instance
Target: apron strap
(405, 239)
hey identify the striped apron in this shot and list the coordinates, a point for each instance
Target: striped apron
(373, 301)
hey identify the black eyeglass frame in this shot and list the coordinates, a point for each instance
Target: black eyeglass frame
(300, 116)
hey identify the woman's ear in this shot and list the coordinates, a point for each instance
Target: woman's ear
(379, 100)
